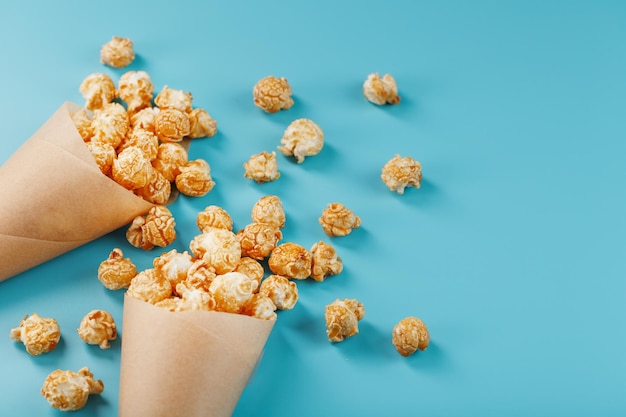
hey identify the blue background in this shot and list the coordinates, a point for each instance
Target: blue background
(512, 251)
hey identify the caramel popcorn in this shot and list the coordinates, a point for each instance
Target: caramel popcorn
(260, 306)
(172, 304)
(381, 90)
(337, 220)
(291, 260)
(104, 155)
(98, 328)
(149, 286)
(136, 235)
(116, 271)
(110, 124)
(194, 299)
(302, 138)
(214, 216)
(218, 248)
(144, 140)
(171, 125)
(251, 267)
(282, 291)
(144, 119)
(399, 173)
(272, 94)
(136, 89)
(68, 390)
(342, 319)
(262, 167)
(195, 179)
(325, 261)
(170, 98)
(118, 52)
(82, 120)
(157, 191)
(159, 227)
(170, 157)
(410, 335)
(231, 291)
(269, 209)
(131, 168)
(98, 90)
(173, 266)
(201, 124)
(199, 276)
(38, 334)
(258, 240)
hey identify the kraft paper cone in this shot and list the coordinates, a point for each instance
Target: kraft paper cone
(186, 364)
(54, 197)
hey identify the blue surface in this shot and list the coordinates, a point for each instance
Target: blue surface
(512, 251)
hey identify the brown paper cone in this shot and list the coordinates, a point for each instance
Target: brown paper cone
(55, 198)
(187, 364)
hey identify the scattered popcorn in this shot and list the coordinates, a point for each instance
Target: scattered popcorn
(258, 240)
(251, 267)
(170, 157)
(136, 89)
(342, 319)
(201, 124)
(131, 168)
(173, 266)
(218, 248)
(159, 227)
(171, 125)
(291, 260)
(337, 220)
(116, 271)
(98, 90)
(262, 167)
(282, 291)
(399, 173)
(214, 216)
(98, 328)
(302, 138)
(272, 94)
(325, 261)
(82, 120)
(104, 155)
(118, 52)
(260, 306)
(195, 179)
(232, 291)
(38, 334)
(157, 191)
(136, 235)
(170, 98)
(68, 390)
(410, 335)
(381, 90)
(269, 209)
(149, 286)
(143, 139)
(110, 124)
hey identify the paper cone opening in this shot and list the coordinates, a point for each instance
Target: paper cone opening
(187, 364)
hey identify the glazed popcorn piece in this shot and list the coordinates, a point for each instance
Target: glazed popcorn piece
(110, 124)
(38, 334)
(116, 271)
(214, 216)
(269, 209)
(118, 52)
(157, 191)
(68, 390)
(150, 287)
(136, 235)
(136, 89)
(272, 94)
(131, 168)
(199, 276)
(171, 125)
(144, 119)
(291, 260)
(325, 261)
(173, 266)
(195, 179)
(170, 157)
(232, 291)
(98, 90)
(159, 227)
(399, 173)
(381, 90)
(258, 240)
(302, 138)
(103, 154)
(337, 220)
(143, 139)
(194, 299)
(282, 291)
(201, 124)
(218, 248)
(410, 335)
(342, 319)
(260, 306)
(82, 120)
(262, 167)
(98, 328)
(170, 98)
(172, 304)
(251, 267)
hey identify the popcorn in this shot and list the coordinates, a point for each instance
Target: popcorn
(214, 216)
(98, 328)
(157, 191)
(199, 276)
(104, 155)
(131, 168)
(251, 267)
(110, 124)
(118, 52)
(144, 119)
(399, 173)
(282, 291)
(381, 90)
(171, 125)
(201, 124)
(325, 261)
(262, 167)
(194, 299)
(98, 90)
(68, 390)
(143, 139)
(291, 260)
(173, 266)
(272, 94)
(232, 291)
(116, 271)
(38, 334)
(169, 98)
(337, 220)
(342, 319)
(410, 335)
(82, 120)
(260, 306)
(302, 138)
(170, 157)
(136, 236)
(218, 248)
(159, 227)
(136, 89)
(269, 209)
(150, 287)
(195, 179)
(258, 240)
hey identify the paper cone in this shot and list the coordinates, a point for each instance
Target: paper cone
(187, 364)
(55, 198)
